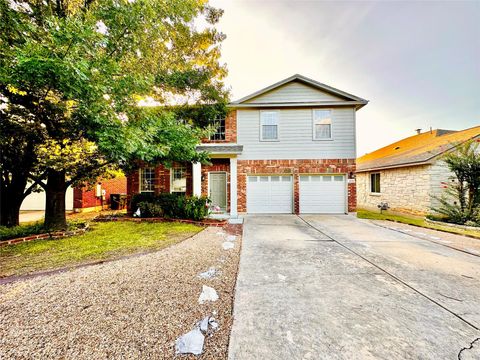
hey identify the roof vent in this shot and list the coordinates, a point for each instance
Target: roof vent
(418, 131)
(397, 147)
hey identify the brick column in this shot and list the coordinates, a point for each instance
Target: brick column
(296, 192)
(233, 188)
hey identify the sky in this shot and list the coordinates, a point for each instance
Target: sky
(418, 63)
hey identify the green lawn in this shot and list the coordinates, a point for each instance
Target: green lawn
(365, 214)
(105, 241)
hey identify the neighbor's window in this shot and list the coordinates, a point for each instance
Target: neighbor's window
(375, 183)
(268, 125)
(322, 124)
(147, 180)
(178, 180)
(219, 125)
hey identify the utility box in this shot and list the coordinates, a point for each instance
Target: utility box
(98, 190)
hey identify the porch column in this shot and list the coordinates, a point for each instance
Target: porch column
(197, 178)
(233, 187)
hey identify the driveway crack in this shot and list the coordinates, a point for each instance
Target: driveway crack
(449, 297)
(392, 275)
(470, 347)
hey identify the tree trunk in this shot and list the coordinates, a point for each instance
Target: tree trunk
(10, 208)
(55, 191)
(11, 198)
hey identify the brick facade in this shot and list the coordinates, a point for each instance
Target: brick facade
(230, 129)
(246, 167)
(162, 178)
(84, 197)
(295, 168)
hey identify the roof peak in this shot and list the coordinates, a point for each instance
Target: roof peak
(305, 80)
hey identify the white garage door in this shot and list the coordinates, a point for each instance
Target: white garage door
(322, 194)
(269, 194)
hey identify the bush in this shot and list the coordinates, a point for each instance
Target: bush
(138, 198)
(7, 233)
(150, 209)
(173, 206)
(460, 202)
(196, 207)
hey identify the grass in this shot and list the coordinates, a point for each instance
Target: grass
(405, 219)
(108, 240)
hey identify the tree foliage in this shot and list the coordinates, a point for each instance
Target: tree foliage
(72, 74)
(460, 202)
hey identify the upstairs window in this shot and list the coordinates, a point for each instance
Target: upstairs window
(375, 183)
(219, 125)
(322, 124)
(147, 180)
(178, 182)
(268, 126)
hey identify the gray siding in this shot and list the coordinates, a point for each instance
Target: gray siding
(293, 92)
(296, 136)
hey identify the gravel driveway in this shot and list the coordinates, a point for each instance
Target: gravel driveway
(133, 308)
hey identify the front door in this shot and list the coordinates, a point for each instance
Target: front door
(218, 190)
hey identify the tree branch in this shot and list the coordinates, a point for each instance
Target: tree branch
(37, 180)
(86, 170)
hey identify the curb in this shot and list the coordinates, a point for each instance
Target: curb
(52, 235)
(200, 223)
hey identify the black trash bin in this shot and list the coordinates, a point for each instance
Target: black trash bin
(115, 201)
(118, 201)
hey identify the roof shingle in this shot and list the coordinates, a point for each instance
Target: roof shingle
(415, 150)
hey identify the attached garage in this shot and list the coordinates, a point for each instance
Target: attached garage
(322, 194)
(270, 194)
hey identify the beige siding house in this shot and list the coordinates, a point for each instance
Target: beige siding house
(409, 173)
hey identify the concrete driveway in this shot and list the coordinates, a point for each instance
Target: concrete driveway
(335, 287)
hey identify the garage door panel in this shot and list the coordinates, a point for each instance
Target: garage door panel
(269, 194)
(322, 194)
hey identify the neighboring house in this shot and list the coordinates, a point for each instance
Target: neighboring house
(36, 200)
(98, 196)
(288, 148)
(409, 173)
(81, 199)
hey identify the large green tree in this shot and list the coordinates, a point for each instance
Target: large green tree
(72, 74)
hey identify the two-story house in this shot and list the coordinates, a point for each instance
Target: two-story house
(288, 148)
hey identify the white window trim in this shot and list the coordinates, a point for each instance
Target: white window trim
(171, 181)
(278, 125)
(140, 191)
(331, 125)
(370, 184)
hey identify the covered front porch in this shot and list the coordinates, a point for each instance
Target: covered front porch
(218, 180)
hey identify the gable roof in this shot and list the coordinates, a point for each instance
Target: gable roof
(415, 150)
(344, 97)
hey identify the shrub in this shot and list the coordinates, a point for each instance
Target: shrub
(150, 209)
(196, 208)
(173, 206)
(138, 198)
(460, 202)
